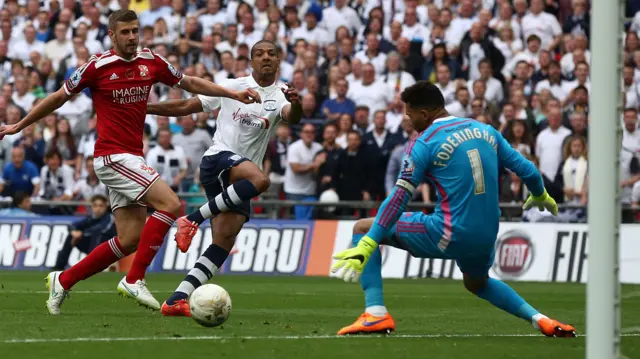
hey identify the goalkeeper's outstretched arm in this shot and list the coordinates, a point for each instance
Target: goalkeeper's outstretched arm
(516, 162)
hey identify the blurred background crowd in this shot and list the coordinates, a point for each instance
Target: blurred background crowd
(520, 65)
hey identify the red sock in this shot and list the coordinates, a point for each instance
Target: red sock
(98, 260)
(150, 242)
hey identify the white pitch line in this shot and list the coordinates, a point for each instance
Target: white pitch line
(307, 294)
(275, 337)
(153, 291)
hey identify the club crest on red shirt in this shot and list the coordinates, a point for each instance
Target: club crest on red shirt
(144, 71)
(130, 74)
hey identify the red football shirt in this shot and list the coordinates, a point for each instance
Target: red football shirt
(120, 91)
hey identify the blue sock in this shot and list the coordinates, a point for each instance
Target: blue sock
(234, 195)
(212, 259)
(371, 279)
(504, 297)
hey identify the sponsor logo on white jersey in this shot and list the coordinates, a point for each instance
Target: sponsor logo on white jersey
(249, 119)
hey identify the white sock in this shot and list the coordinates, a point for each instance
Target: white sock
(536, 318)
(377, 310)
(205, 211)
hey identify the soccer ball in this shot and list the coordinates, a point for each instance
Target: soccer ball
(210, 305)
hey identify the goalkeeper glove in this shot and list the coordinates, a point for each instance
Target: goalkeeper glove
(543, 202)
(351, 262)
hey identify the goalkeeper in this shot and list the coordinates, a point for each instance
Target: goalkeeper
(460, 157)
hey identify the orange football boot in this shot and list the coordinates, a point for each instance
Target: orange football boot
(179, 309)
(184, 234)
(553, 328)
(368, 323)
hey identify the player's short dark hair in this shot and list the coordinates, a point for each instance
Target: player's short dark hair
(253, 48)
(582, 63)
(484, 61)
(164, 130)
(121, 16)
(99, 197)
(581, 88)
(630, 109)
(554, 63)
(423, 94)
(331, 124)
(376, 112)
(53, 153)
(18, 198)
(353, 132)
(242, 58)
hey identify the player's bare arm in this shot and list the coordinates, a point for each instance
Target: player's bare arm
(292, 113)
(48, 105)
(199, 86)
(175, 108)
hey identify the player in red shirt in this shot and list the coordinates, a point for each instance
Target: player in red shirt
(120, 81)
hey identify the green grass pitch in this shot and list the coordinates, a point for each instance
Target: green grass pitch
(292, 317)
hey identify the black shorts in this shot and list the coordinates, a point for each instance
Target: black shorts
(214, 177)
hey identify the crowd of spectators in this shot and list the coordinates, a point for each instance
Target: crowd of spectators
(520, 65)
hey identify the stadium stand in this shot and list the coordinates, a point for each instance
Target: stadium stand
(522, 66)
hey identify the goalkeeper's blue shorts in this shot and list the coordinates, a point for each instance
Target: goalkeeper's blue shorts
(423, 237)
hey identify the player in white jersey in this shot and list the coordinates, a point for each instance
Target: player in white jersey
(231, 169)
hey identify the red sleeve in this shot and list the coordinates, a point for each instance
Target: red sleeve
(83, 77)
(165, 72)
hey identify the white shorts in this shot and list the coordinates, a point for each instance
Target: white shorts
(127, 176)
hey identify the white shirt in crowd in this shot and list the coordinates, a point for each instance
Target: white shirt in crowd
(77, 109)
(25, 101)
(208, 20)
(84, 190)
(226, 46)
(398, 81)
(456, 108)
(376, 96)
(316, 35)
(167, 162)
(545, 25)
(508, 49)
(497, 23)
(378, 62)
(493, 92)
(245, 129)
(21, 49)
(448, 92)
(57, 51)
(568, 65)
(558, 91)
(251, 38)
(630, 148)
(300, 183)
(549, 150)
(526, 56)
(334, 18)
(56, 183)
(416, 32)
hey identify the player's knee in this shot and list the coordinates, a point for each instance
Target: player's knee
(129, 244)
(172, 204)
(362, 226)
(261, 182)
(474, 285)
